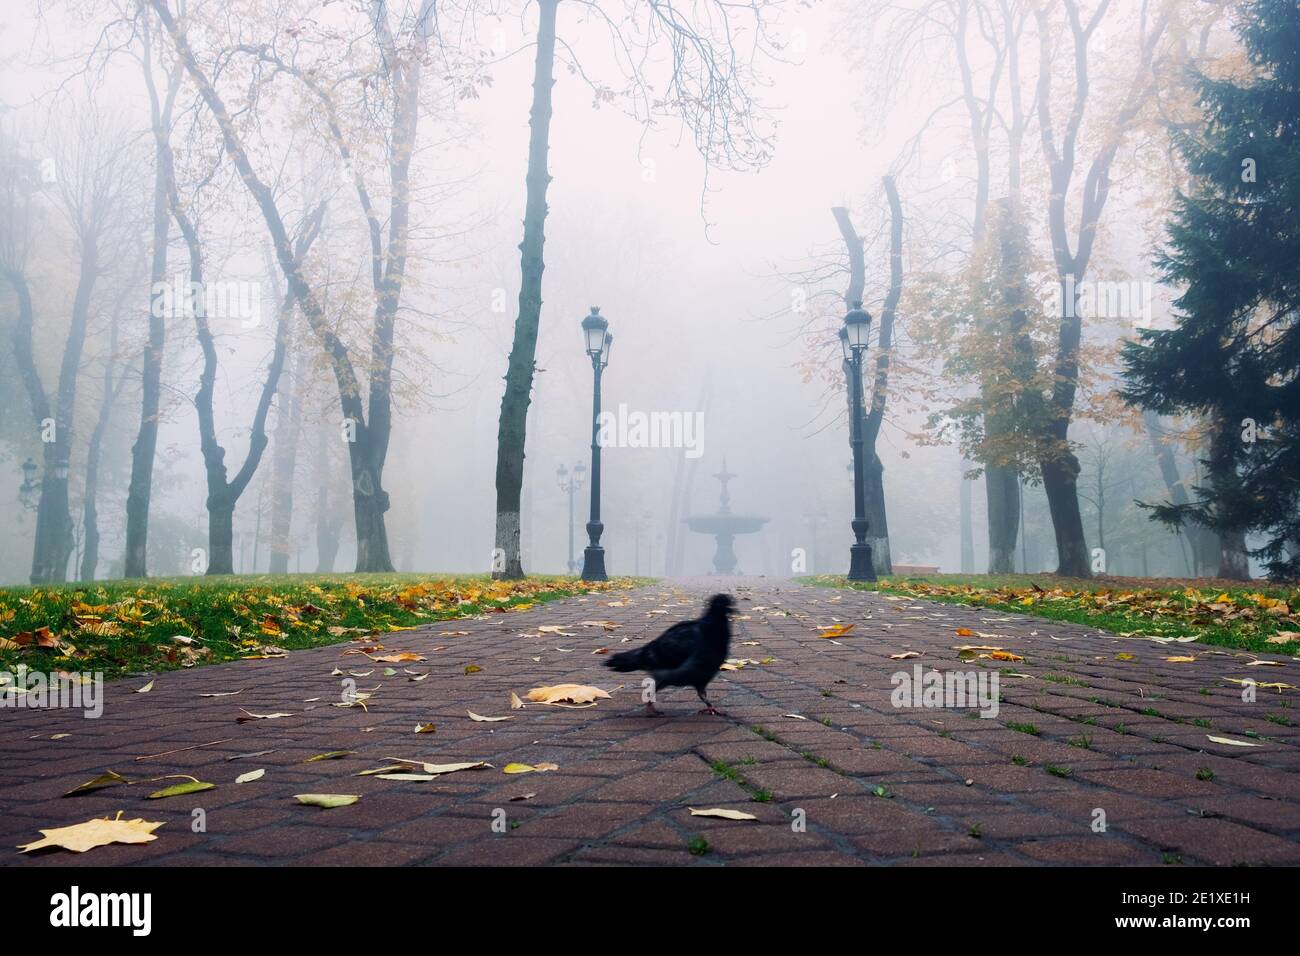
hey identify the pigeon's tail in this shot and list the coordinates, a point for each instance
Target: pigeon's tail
(626, 661)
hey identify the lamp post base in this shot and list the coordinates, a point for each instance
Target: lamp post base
(860, 566)
(593, 564)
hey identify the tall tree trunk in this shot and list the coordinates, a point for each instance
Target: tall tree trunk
(876, 514)
(1060, 466)
(221, 535)
(873, 475)
(1204, 541)
(54, 537)
(1001, 480)
(1234, 563)
(140, 489)
(367, 452)
(287, 429)
(1061, 483)
(1002, 490)
(89, 512)
(329, 519)
(964, 520)
(512, 429)
(223, 493)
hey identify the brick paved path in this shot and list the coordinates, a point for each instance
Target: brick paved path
(876, 784)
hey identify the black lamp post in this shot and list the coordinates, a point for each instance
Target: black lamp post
(571, 482)
(595, 332)
(853, 341)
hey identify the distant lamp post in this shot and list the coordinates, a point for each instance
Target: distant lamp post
(28, 488)
(853, 341)
(595, 333)
(570, 483)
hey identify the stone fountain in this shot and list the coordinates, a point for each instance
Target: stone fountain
(724, 526)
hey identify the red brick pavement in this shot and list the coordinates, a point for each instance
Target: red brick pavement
(871, 783)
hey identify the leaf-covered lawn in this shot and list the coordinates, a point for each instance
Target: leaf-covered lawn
(1255, 617)
(135, 626)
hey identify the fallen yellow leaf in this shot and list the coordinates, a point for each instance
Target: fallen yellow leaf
(724, 814)
(566, 693)
(81, 837)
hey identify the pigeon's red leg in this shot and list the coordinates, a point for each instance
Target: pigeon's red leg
(709, 708)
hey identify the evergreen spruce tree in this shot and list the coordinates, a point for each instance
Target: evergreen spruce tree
(1234, 248)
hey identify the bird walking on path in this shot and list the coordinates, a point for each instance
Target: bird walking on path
(688, 654)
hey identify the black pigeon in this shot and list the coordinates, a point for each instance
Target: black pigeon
(688, 654)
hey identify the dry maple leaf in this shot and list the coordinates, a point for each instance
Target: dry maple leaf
(86, 836)
(566, 693)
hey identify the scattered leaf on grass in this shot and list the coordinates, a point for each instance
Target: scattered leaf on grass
(905, 656)
(515, 702)
(425, 728)
(250, 776)
(486, 720)
(81, 837)
(145, 689)
(472, 668)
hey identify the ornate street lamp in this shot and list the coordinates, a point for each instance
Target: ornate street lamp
(571, 482)
(595, 333)
(853, 342)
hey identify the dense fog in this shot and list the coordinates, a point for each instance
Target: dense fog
(701, 228)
